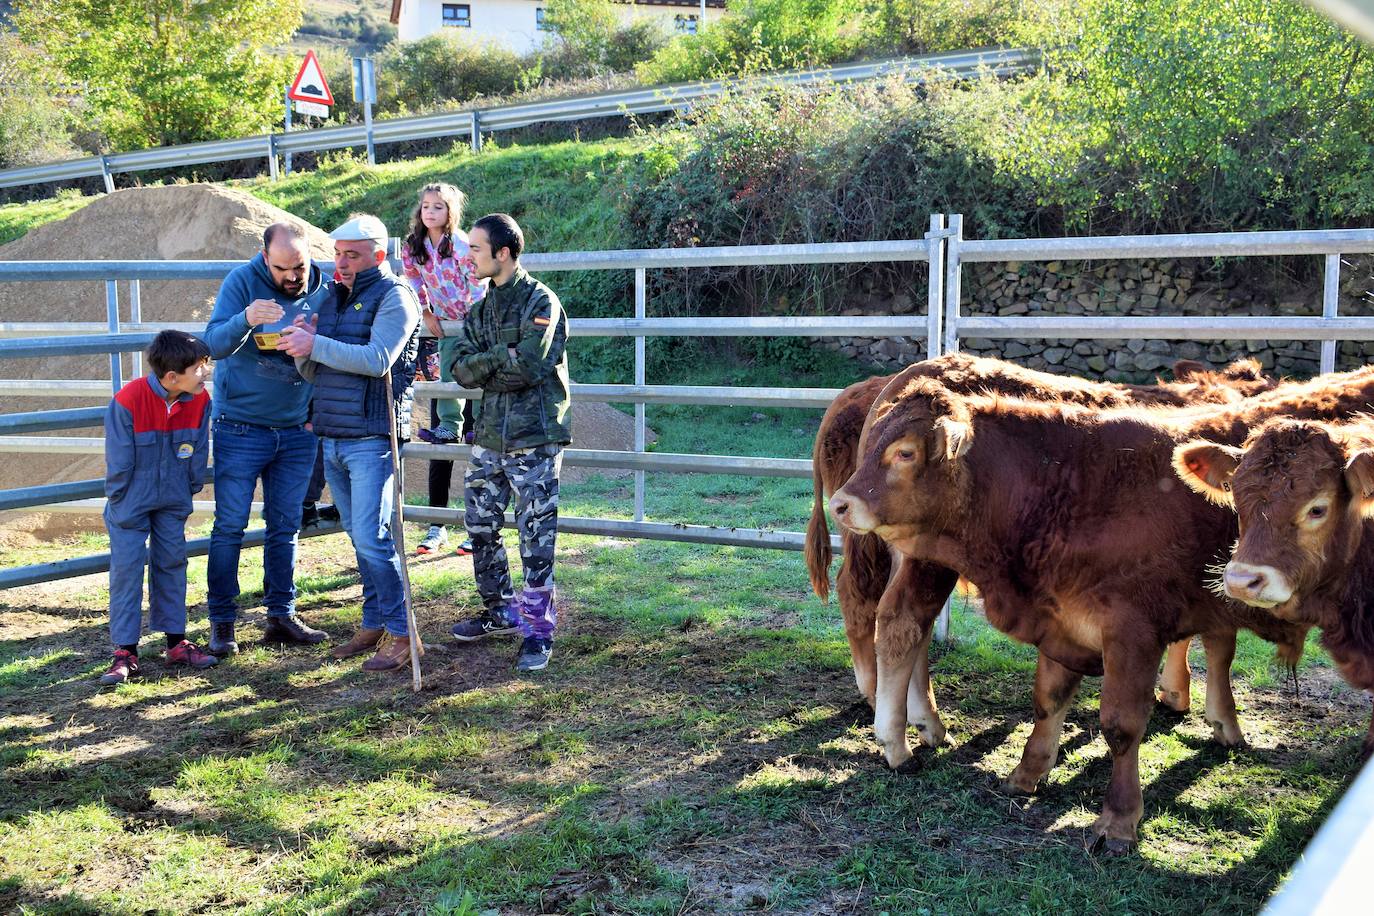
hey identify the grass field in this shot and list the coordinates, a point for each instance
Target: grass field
(694, 748)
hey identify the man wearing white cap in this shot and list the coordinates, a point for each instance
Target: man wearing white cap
(369, 326)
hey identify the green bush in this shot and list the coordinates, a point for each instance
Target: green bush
(785, 165)
(930, 26)
(443, 67)
(1200, 114)
(34, 121)
(760, 36)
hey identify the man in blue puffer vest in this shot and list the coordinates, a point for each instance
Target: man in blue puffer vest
(261, 405)
(368, 326)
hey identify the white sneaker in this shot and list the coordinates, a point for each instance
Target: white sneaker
(435, 541)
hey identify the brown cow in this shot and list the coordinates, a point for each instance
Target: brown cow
(1072, 525)
(918, 594)
(1304, 493)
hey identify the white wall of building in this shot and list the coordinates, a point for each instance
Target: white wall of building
(513, 22)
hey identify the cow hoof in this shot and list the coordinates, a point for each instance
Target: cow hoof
(1175, 700)
(896, 757)
(1227, 734)
(910, 768)
(1111, 847)
(1010, 786)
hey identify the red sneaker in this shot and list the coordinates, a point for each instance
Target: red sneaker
(124, 666)
(186, 653)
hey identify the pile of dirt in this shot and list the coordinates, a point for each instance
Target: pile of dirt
(180, 222)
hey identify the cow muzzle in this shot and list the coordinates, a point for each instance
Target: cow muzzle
(852, 513)
(1260, 586)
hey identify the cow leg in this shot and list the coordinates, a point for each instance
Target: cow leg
(1127, 697)
(921, 713)
(908, 608)
(1175, 681)
(1220, 710)
(858, 610)
(1055, 687)
(889, 712)
(906, 615)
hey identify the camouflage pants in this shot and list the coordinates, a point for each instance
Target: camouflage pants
(491, 478)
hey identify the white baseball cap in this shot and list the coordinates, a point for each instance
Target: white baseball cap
(360, 228)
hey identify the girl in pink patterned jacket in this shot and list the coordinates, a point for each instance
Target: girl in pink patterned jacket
(435, 260)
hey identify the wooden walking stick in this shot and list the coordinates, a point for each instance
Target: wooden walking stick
(398, 537)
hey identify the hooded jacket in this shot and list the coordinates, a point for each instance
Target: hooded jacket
(253, 385)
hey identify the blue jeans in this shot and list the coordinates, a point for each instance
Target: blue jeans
(283, 458)
(360, 474)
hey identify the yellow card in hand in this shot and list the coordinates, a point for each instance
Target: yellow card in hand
(266, 340)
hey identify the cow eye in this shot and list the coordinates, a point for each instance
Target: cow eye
(906, 454)
(1316, 512)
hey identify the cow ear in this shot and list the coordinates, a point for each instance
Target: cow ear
(1207, 468)
(952, 440)
(1359, 476)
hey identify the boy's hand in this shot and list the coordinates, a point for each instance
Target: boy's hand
(262, 311)
(299, 339)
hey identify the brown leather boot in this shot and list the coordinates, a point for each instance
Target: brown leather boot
(392, 656)
(362, 641)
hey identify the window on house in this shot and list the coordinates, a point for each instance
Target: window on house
(539, 19)
(458, 15)
(687, 25)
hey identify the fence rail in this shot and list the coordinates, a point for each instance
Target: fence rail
(471, 123)
(1342, 847)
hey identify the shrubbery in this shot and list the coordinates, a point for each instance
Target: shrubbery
(34, 119)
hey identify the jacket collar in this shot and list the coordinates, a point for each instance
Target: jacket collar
(161, 392)
(516, 279)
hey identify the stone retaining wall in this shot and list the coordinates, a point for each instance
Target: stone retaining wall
(1137, 288)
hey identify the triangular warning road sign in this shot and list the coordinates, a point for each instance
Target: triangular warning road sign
(309, 84)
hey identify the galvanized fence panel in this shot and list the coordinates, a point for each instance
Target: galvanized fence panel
(1330, 863)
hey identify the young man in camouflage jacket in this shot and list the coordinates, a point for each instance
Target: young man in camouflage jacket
(513, 347)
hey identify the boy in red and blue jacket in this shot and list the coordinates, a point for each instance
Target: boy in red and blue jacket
(157, 434)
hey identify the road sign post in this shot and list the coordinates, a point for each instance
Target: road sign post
(286, 129)
(365, 93)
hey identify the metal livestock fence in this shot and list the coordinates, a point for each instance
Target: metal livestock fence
(1330, 869)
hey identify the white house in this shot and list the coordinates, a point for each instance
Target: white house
(519, 24)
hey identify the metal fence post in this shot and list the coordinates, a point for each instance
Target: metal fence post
(272, 156)
(935, 301)
(640, 422)
(476, 132)
(1331, 290)
(112, 316)
(952, 283)
(950, 344)
(136, 317)
(105, 173)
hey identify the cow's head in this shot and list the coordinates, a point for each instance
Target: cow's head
(909, 478)
(1301, 491)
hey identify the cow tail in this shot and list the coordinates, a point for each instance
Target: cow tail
(818, 553)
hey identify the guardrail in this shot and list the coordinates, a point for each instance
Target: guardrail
(471, 123)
